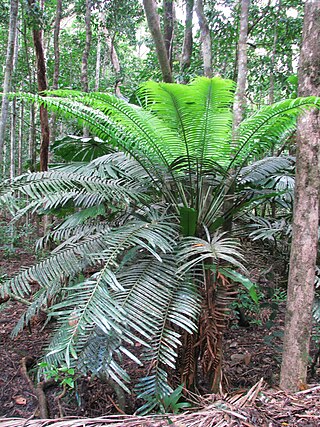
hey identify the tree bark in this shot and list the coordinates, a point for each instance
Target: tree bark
(56, 45)
(273, 54)
(240, 97)
(13, 139)
(168, 28)
(153, 20)
(85, 56)
(98, 63)
(56, 71)
(86, 52)
(306, 214)
(115, 64)
(187, 40)
(8, 71)
(32, 139)
(205, 39)
(20, 137)
(42, 86)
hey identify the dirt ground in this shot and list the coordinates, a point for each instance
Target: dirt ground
(250, 353)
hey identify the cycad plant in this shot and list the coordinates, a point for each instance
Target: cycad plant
(140, 256)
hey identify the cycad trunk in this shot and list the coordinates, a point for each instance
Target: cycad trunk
(306, 214)
(205, 348)
(219, 293)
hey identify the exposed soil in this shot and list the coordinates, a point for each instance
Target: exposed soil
(250, 353)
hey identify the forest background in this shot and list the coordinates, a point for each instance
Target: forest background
(107, 46)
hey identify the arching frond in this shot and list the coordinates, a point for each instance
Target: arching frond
(67, 262)
(258, 133)
(200, 112)
(157, 303)
(263, 169)
(125, 126)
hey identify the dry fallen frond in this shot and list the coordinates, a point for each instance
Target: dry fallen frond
(257, 407)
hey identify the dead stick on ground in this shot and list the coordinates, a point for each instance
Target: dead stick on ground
(38, 390)
(57, 399)
(309, 390)
(116, 406)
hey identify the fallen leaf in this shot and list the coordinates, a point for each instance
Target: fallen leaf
(20, 400)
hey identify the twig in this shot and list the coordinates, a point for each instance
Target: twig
(116, 406)
(309, 390)
(38, 390)
(57, 399)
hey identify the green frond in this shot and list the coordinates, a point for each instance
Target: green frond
(316, 309)
(258, 133)
(74, 227)
(155, 300)
(45, 191)
(153, 236)
(40, 300)
(194, 251)
(65, 261)
(80, 149)
(102, 357)
(262, 169)
(212, 101)
(200, 112)
(128, 127)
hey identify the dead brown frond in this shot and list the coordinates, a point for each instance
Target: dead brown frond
(257, 407)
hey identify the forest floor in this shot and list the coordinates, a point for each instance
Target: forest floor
(250, 353)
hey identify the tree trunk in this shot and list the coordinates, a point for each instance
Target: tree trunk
(32, 139)
(115, 64)
(98, 63)
(85, 56)
(42, 86)
(150, 8)
(205, 39)
(306, 214)
(168, 28)
(8, 72)
(240, 98)
(187, 40)
(13, 139)
(20, 137)
(56, 71)
(56, 45)
(273, 54)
